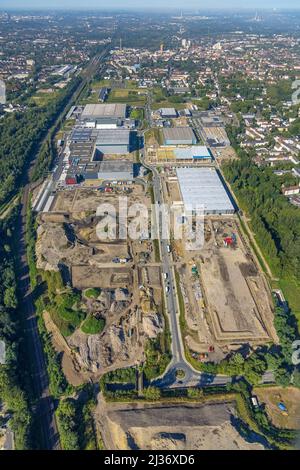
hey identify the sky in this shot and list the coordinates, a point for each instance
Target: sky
(153, 4)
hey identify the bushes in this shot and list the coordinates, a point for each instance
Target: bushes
(127, 375)
(67, 426)
(92, 293)
(57, 382)
(92, 325)
(157, 358)
(64, 308)
(12, 377)
(275, 221)
(20, 136)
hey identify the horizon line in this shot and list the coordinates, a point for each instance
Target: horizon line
(128, 8)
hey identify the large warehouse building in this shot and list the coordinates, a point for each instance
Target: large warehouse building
(104, 115)
(204, 187)
(179, 136)
(116, 171)
(113, 141)
(195, 152)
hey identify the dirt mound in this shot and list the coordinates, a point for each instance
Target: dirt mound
(168, 441)
(152, 325)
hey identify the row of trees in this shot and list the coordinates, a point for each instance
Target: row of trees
(275, 221)
(13, 384)
(21, 135)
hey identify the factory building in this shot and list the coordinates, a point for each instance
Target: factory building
(203, 187)
(168, 113)
(116, 170)
(179, 136)
(99, 142)
(97, 115)
(195, 152)
(82, 151)
(113, 141)
(80, 134)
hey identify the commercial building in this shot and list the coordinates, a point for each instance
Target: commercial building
(117, 170)
(113, 141)
(108, 112)
(105, 141)
(81, 134)
(203, 187)
(168, 113)
(195, 152)
(82, 151)
(179, 136)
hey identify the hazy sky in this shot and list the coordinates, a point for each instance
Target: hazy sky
(101, 4)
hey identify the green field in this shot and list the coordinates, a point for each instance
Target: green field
(123, 95)
(129, 84)
(291, 291)
(43, 99)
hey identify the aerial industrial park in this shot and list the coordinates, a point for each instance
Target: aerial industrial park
(140, 338)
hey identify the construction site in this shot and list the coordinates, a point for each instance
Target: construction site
(119, 282)
(227, 301)
(173, 427)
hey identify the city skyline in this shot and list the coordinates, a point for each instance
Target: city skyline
(154, 4)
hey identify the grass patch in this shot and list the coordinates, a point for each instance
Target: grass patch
(65, 312)
(291, 291)
(183, 325)
(92, 325)
(43, 99)
(153, 135)
(92, 293)
(123, 95)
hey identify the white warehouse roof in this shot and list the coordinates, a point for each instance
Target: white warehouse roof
(110, 110)
(203, 186)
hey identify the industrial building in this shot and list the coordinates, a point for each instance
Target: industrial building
(105, 141)
(96, 113)
(203, 187)
(113, 141)
(168, 113)
(82, 151)
(195, 152)
(80, 134)
(117, 170)
(179, 136)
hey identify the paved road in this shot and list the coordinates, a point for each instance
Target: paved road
(192, 376)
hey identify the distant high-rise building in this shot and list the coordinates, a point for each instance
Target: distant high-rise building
(161, 47)
(185, 43)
